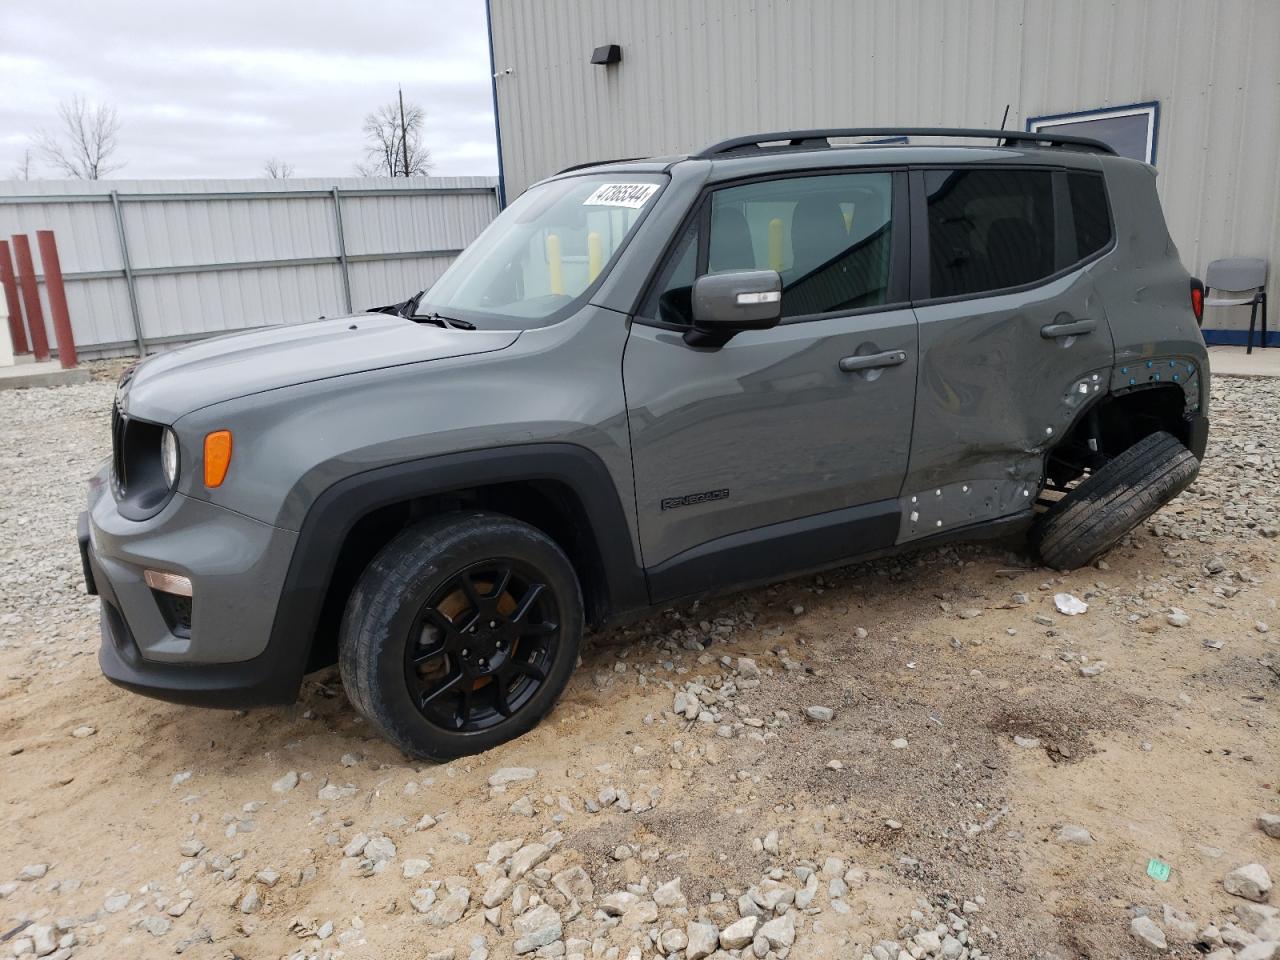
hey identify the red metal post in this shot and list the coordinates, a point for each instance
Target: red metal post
(17, 329)
(30, 295)
(57, 298)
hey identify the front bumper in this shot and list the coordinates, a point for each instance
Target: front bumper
(231, 655)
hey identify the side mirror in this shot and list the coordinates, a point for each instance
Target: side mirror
(728, 303)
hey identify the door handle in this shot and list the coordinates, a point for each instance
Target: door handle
(1074, 328)
(873, 361)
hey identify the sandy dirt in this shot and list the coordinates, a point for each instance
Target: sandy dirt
(1171, 752)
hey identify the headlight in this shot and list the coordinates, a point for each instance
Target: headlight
(169, 456)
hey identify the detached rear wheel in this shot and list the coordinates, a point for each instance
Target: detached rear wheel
(1114, 499)
(461, 634)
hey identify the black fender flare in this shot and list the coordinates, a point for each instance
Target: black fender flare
(337, 510)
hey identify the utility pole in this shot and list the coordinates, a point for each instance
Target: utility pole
(404, 134)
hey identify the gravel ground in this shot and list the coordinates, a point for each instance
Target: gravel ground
(915, 758)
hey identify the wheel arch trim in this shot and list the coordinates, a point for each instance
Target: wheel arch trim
(337, 510)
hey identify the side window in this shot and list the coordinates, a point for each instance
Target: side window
(829, 238)
(1089, 212)
(988, 229)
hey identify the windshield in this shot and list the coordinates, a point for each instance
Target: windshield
(543, 252)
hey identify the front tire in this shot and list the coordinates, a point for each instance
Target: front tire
(1114, 499)
(461, 634)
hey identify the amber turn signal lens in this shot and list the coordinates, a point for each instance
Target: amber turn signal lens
(217, 457)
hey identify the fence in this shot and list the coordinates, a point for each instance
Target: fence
(160, 262)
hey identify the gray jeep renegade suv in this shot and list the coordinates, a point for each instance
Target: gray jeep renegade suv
(647, 381)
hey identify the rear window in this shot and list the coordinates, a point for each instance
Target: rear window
(1089, 212)
(988, 229)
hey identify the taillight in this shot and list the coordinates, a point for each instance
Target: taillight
(1197, 300)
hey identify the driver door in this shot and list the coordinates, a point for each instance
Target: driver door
(786, 448)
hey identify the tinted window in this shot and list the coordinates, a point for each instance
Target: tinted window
(828, 237)
(1089, 212)
(988, 229)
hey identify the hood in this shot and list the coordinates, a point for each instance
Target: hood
(170, 385)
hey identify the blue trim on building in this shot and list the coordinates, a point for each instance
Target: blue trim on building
(497, 125)
(1152, 105)
(1238, 338)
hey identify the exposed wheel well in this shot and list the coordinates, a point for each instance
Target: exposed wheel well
(1113, 425)
(549, 505)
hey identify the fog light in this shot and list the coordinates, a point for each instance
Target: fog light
(168, 582)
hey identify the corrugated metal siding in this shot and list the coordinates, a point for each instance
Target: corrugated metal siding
(163, 232)
(695, 71)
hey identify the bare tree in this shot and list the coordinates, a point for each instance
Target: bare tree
(86, 142)
(394, 141)
(276, 169)
(22, 169)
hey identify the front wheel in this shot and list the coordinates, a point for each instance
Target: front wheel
(461, 634)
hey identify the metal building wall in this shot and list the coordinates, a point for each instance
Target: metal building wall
(694, 71)
(211, 256)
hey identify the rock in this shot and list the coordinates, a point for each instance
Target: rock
(619, 902)
(191, 848)
(178, 907)
(1075, 835)
(1266, 950)
(526, 858)
(268, 877)
(1148, 933)
(1269, 823)
(1252, 882)
(770, 842)
(739, 933)
(415, 867)
(497, 892)
(575, 883)
(1026, 743)
(703, 938)
(355, 846)
(423, 899)
(33, 871)
(820, 714)
(669, 895)
(511, 775)
(537, 928)
(1179, 926)
(115, 902)
(523, 807)
(251, 902)
(286, 783)
(970, 613)
(747, 668)
(1093, 669)
(156, 925)
(1254, 915)
(899, 743)
(451, 908)
(84, 731)
(673, 940)
(1178, 618)
(780, 932)
(1069, 604)
(380, 850)
(43, 939)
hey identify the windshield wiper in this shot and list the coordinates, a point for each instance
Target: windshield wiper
(442, 321)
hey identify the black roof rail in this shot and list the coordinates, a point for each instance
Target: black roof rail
(809, 139)
(597, 163)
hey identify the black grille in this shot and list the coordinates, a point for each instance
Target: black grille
(118, 425)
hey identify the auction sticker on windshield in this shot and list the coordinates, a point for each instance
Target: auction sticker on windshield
(634, 195)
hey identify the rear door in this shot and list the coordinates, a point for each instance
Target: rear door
(1014, 340)
(785, 448)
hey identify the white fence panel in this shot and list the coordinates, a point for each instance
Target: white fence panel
(206, 257)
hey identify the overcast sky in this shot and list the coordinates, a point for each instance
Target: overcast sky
(215, 89)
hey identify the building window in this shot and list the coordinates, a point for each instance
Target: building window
(1130, 130)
